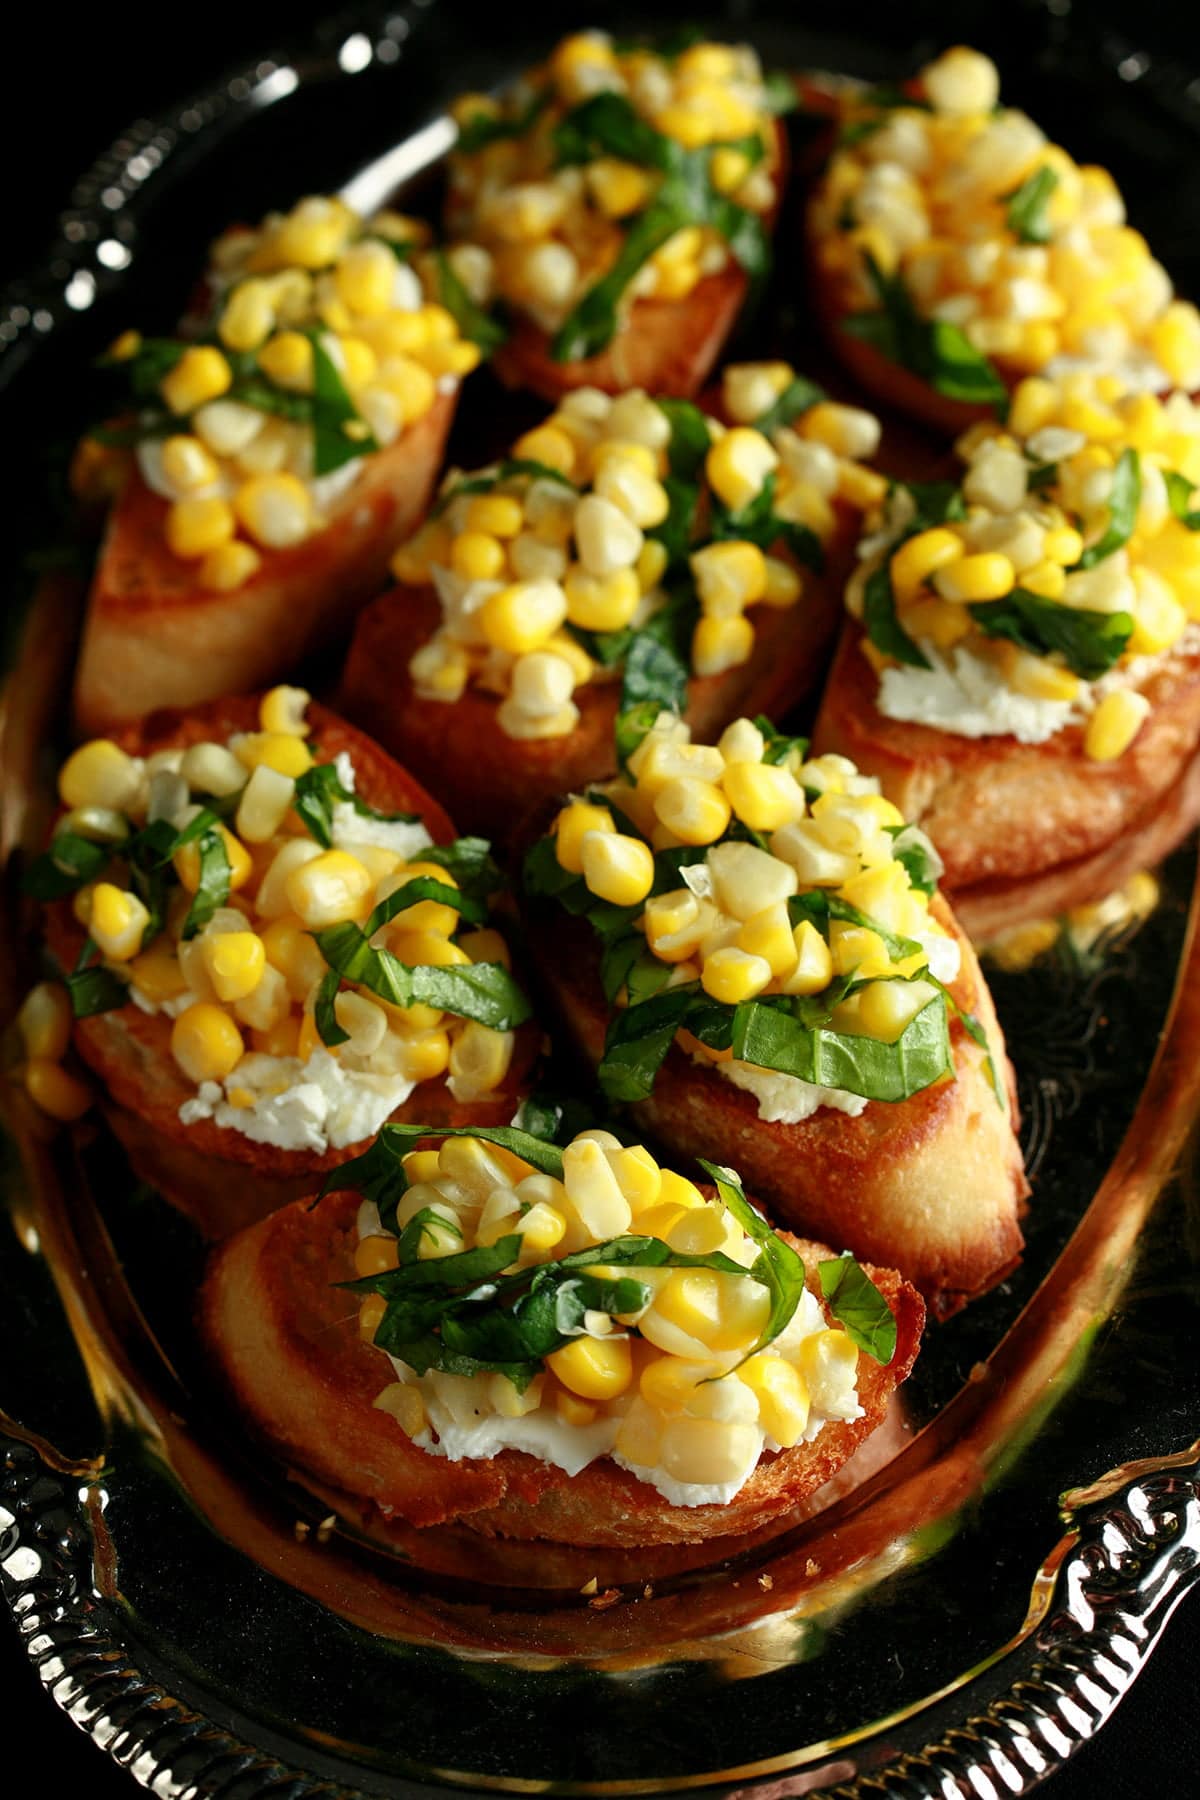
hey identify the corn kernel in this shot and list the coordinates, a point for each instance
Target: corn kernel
(44, 1022)
(235, 961)
(196, 526)
(920, 557)
(278, 750)
(370, 1318)
(768, 934)
(782, 1395)
(827, 1361)
(729, 576)
(287, 360)
(813, 969)
(329, 889)
(480, 1058)
(571, 825)
(521, 617)
(601, 602)
(275, 509)
(738, 464)
(477, 556)
(55, 1091)
(99, 774)
(423, 1056)
(118, 920)
(186, 862)
(206, 1043)
(593, 1191)
(229, 566)
(783, 583)
(694, 810)
(615, 867)
(593, 1368)
(765, 796)
(1115, 724)
(547, 444)
(732, 975)
(201, 374)
(496, 515)
(721, 644)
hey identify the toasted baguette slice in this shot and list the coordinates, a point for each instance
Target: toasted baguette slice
(286, 1342)
(220, 1178)
(492, 782)
(932, 1185)
(1002, 813)
(153, 638)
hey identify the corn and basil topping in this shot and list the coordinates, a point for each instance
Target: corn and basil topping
(316, 958)
(767, 911)
(629, 540)
(583, 1302)
(971, 250)
(317, 345)
(610, 175)
(1040, 590)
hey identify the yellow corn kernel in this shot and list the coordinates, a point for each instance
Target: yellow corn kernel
(365, 277)
(426, 949)
(206, 1043)
(732, 975)
(1062, 544)
(618, 188)
(768, 934)
(593, 1193)
(593, 1368)
(1114, 724)
(764, 795)
(651, 564)
(99, 774)
(477, 556)
(372, 1255)
(290, 949)
(1036, 676)
(426, 915)
(496, 515)
(423, 1056)
(573, 822)
(677, 1190)
(729, 576)
(186, 862)
(288, 361)
(638, 1176)
(856, 950)
(248, 315)
(329, 889)
(228, 567)
(827, 1361)
(125, 347)
(235, 961)
(813, 969)
(783, 583)
(1175, 342)
(721, 644)
(283, 709)
(275, 509)
(616, 867)
(156, 972)
(861, 487)
(541, 1228)
(117, 922)
(196, 526)
(721, 1311)
(887, 1008)
(278, 750)
(54, 1090)
(920, 557)
(1159, 621)
(571, 1409)
(943, 622)
(370, 1317)
(1047, 579)
(480, 1058)
(280, 1039)
(201, 374)
(728, 169)
(186, 464)
(987, 576)
(521, 617)
(661, 758)
(694, 810)
(1034, 404)
(44, 1022)
(547, 444)
(782, 1395)
(738, 463)
(601, 602)
(667, 921)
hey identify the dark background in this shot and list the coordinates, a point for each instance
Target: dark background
(69, 84)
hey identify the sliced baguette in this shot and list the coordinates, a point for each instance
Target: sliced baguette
(221, 1178)
(286, 1343)
(152, 637)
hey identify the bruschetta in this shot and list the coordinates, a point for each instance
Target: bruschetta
(953, 251)
(769, 969)
(700, 1377)
(254, 978)
(268, 461)
(629, 554)
(1022, 666)
(619, 203)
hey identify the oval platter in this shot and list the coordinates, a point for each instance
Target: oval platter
(957, 1620)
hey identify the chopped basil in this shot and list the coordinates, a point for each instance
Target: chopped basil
(880, 620)
(483, 128)
(212, 888)
(317, 792)
(935, 503)
(1041, 477)
(758, 523)
(1027, 205)
(690, 442)
(504, 471)
(819, 906)
(474, 322)
(256, 391)
(781, 93)
(485, 992)
(1090, 643)
(412, 893)
(777, 1266)
(770, 1035)
(939, 352)
(554, 1118)
(378, 1174)
(638, 1039)
(424, 1224)
(608, 125)
(69, 864)
(333, 413)
(915, 852)
(1125, 496)
(798, 397)
(470, 861)
(1179, 493)
(857, 1303)
(778, 747)
(93, 990)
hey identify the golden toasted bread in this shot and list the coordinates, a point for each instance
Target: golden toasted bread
(1005, 814)
(932, 1185)
(222, 1178)
(287, 1344)
(153, 638)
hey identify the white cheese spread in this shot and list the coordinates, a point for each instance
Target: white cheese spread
(963, 694)
(318, 1105)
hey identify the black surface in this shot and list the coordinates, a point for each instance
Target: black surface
(70, 85)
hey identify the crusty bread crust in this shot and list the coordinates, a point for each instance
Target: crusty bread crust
(286, 1342)
(932, 1185)
(220, 1178)
(493, 782)
(152, 638)
(1002, 811)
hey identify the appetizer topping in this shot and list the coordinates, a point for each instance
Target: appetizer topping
(1045, 587)
(628, 539)
(584, 1302)
(317, 958)
(611, 175)
(770, 913)
(317, 346)
(976, 252)
(1080, 932)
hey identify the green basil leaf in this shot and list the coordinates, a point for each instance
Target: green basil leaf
(69, 864)
(777, 1266)
(940, 353)
(798, 397)
(781, 94)
(1089, 642)
(543, 877)
(1041, 477)
(263, 395)
(473, 321)
(780, 747)
(632, 726)
(487, 479)
(212, 888)
(591, 326)
(483, 128)
(819, 905)
(317, 790)
(424, 887)
(936, 503)
(1124, 499)
(857, 1303)
(915, 852)
(658, 660)
(1026, 214)
(470, 861)
(881, 624)
(638, 1040)
(324, 1017)
(400, 1139)
(675, 532)
(554, 1118)
(690, 442)
(425, 1223)
(1179, 493)
(485, 992)
(758, 523)
(332, 411)
(608, 125)
(93, 990)
(772, 1037)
